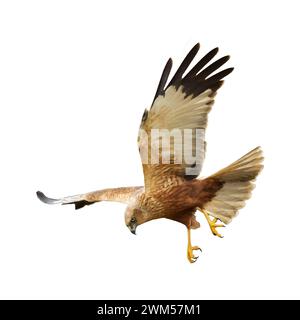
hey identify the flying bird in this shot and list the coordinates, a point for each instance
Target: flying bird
(172, 189)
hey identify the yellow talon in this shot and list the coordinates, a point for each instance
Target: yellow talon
(190, 249)
(213, 224)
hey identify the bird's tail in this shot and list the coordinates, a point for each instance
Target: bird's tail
(237, 183)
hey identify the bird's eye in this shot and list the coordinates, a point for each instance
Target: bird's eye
(133, 220)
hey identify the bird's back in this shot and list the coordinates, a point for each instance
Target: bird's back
(179, 198)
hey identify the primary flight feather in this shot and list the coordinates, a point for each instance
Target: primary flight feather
(172, 163)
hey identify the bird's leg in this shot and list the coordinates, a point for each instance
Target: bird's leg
(213, 224)
(190, 254)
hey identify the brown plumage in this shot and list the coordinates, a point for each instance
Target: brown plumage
(171, 189)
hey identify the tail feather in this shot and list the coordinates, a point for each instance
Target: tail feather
(237, 181)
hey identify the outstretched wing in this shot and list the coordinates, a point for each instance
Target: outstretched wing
(124, 195)
(179, 108)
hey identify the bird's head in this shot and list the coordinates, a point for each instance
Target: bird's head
(133, 218)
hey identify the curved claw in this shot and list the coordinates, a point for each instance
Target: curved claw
(192, 258)
(190, 254)
(213, 227)
(213, 224)
(196, 248)
(190, 249)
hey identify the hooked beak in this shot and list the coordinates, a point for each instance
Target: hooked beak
(132, 228)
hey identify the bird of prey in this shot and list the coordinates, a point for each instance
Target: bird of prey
(172, 189)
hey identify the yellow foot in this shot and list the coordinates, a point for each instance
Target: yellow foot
(190, 253)
(190, 249)
(213, 224)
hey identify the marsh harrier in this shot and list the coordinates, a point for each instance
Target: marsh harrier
(171, 188)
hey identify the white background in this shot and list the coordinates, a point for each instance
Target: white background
(75, 77)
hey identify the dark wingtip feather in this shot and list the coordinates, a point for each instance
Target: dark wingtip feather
(45, 199)
(200, 78)
(170, 62)
(163, 79)
(202, 63)
(196, 47)
(220, 75)
(81, 204)
(184, 65)
(212, 68)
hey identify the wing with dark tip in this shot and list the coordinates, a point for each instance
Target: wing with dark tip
(184, 65)
(164, 78)
(47, 200)
(123, 195)
(183, 103)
